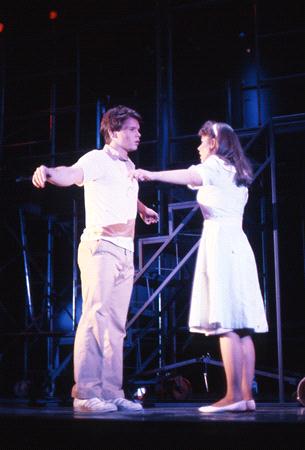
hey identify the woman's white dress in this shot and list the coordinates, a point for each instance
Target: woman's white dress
(226, 293)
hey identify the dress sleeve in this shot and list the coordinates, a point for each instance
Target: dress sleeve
(92, 165)
(208, 171)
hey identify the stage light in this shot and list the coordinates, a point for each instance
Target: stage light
(140, 393)
(301, 392)
(53, 15)
(1, 27)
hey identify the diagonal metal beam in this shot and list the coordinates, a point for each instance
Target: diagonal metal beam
(170, 238)
(162, 285)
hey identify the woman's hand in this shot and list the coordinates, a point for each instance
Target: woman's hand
(142, 175)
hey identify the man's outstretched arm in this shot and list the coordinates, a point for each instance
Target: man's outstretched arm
(62, 176)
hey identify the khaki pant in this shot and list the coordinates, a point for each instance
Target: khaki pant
(107, 279)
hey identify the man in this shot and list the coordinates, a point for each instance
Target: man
(105, 258)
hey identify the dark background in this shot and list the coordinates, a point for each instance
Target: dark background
(178, 63)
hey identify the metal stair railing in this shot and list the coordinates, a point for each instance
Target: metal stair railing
(165, 244)
(162, 285)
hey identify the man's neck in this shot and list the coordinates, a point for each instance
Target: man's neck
(122, 153)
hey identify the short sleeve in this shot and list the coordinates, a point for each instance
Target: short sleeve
(92, 165)
(208, 171)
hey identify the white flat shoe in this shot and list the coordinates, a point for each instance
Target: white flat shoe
(251, 405)
(232, 407)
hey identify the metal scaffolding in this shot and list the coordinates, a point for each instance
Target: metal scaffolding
(165, 260)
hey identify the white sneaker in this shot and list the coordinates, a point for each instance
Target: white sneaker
(123, 404)
(93, 405)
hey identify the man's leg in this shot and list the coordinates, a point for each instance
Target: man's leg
(101, 270)
(113, 362)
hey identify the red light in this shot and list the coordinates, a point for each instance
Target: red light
(53, 15)
(1, 27)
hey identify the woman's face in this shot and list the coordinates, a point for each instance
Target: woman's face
(207, 147)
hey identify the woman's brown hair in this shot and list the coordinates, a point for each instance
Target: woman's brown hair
(229, 150)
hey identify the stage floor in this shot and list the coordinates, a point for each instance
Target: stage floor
(172, 426)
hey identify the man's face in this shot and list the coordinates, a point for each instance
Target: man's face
(128, 138)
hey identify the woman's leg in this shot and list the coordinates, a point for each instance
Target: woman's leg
(248, 352)
(232, 357)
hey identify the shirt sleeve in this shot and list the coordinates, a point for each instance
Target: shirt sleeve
(208, 171)
(92, 165)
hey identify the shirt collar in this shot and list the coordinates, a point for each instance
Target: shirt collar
(114, 153)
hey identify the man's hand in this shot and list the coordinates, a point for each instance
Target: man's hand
(149, 216)
(40, 176)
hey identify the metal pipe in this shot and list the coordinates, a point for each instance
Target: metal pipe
(257, 65)
(256, 136)
(77, 109)
(74, 270)
(170, 94)
(276, 262)
(30, 312)
(53, 123)
(160, 321)
(228, 101)
(98, 124)
(215, 362)
(264, 249)
(49, 293)
(2, 95)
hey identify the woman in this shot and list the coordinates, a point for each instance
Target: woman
(226, 297)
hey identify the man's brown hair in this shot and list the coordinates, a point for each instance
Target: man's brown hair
(114, 119)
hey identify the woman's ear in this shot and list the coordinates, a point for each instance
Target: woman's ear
(213, 145)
